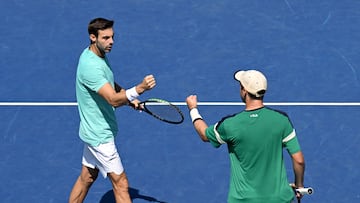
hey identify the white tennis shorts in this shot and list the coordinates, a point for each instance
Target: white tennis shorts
(103, 157)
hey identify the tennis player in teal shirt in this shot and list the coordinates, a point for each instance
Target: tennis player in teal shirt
(255, 139)
(90, 103)
(97, 96)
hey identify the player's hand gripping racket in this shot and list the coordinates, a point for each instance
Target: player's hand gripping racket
(302, 191)
(162, 110)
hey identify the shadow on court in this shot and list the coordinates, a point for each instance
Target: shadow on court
(134, 194)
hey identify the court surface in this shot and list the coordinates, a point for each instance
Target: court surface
(309, 51)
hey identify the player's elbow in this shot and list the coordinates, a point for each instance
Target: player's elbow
(298, 159)
(203, 137)
(300, 163)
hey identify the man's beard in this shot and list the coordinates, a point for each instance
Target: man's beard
(243, 98)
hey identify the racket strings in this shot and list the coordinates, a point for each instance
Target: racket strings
(165, 111)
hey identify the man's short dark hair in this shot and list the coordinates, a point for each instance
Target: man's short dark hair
(255, 97)
(99, 24)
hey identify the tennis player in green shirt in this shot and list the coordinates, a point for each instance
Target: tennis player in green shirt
(255, 139)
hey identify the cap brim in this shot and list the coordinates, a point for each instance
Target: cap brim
(239, 75)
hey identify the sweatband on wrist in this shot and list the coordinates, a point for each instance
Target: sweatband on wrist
(131, 93)
(195, 115)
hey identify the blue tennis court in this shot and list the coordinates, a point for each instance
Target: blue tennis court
(309, 51)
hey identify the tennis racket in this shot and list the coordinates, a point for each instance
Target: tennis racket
(162, 110)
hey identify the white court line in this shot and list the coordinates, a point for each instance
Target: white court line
(200, 103)
(276, 103)
(38, 103)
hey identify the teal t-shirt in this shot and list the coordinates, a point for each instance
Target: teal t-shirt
(97, 117)
(255, 141)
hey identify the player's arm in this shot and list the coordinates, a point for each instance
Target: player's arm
(299, 168)
(200, 127)
(198, 122)
(119, 96)
(114, 98)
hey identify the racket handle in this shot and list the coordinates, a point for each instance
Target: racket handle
(305, 191)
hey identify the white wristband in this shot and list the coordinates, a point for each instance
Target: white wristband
(131, 93)
(195, 115)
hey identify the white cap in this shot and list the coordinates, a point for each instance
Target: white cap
(253, 81)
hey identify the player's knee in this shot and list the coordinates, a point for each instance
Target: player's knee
(120, 181)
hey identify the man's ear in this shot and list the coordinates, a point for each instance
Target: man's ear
(92, 38)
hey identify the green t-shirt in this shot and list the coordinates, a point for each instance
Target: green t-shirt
(255, 141)
(97, 117)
